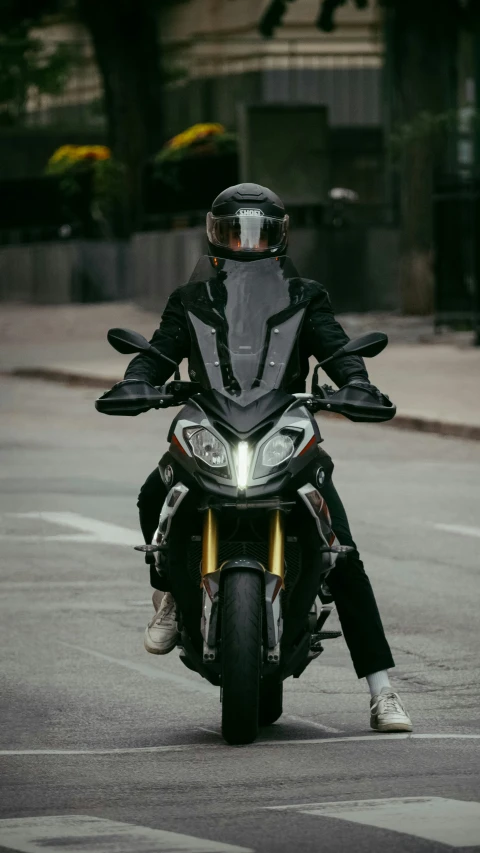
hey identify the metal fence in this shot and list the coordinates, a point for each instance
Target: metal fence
(357, 263)
(456, 209)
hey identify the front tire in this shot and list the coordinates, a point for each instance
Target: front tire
(241, 655)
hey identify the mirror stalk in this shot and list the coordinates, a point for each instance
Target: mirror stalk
(335, 355)
(157, 354)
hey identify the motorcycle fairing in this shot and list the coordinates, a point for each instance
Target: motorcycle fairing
(244, 322)
(222, 427)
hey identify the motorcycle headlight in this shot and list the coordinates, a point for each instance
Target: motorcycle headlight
(276, 452)
(209, 451)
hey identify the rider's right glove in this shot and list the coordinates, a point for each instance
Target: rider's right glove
(360, 382)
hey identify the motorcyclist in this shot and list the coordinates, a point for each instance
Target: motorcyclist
(248, 222)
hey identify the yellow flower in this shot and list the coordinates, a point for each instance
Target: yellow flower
(74, 153)
(92, 152)
(64, 152)
(195, 134)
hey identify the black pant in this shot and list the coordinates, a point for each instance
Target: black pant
(351, 589)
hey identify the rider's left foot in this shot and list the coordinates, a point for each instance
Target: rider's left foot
(388, 714)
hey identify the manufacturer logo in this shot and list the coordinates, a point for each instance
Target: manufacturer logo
(168, 475)
(249, 211)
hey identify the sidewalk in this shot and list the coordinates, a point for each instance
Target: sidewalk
(434, 380)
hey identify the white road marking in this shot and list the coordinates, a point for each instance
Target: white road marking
(128, 750)
(150, 671)
(92, 529)
(374, 737)
(328, 729)
(44, 584)
(461, 529)
(182, 747)
(77, 833)
(452, 822)
(60, 537)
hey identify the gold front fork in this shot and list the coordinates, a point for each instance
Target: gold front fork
(276, 550)
(210, 543)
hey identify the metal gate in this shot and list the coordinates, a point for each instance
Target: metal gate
(456, 220)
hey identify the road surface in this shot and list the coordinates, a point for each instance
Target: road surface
(103, 747)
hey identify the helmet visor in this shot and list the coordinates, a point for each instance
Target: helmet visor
(247, 232)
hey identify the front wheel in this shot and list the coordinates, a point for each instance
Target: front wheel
(241, 655)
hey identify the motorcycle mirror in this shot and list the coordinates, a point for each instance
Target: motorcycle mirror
(126, 341)
(368, 345)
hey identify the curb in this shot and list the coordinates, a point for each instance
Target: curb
(65, 377)
(415, 423)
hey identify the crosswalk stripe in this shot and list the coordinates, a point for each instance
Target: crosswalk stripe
(313, 723)
(373, 740)
(194, 684)
(77, 833)
(452, 822)
(91, 529)
(461, 529)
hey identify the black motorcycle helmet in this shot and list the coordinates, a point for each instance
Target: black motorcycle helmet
(247, 222)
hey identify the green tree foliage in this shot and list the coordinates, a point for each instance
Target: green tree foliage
(27, 66)
(124, 35)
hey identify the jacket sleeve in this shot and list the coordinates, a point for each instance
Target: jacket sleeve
(324, 334)
(172, 338)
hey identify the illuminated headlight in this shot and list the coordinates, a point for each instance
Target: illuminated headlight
(276, 452)
(209, 451)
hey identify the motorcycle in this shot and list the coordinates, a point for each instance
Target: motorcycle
(244, 539)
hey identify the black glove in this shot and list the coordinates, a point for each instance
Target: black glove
(366, 385)
(118, 400)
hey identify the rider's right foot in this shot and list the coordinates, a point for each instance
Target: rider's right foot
(388, 713)
(161, 632)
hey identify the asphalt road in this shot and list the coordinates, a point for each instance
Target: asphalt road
(95, 729)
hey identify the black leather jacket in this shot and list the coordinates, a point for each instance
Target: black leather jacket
(320, 336)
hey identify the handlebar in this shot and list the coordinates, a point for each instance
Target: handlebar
(132, 397)
(318, 403)
(353, 402)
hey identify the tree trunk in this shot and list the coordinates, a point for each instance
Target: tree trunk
(423, 43)
(124, 34)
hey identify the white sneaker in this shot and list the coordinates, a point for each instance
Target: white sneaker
(388, 714)
(161, 632)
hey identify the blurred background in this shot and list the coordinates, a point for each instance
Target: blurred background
(120, 121)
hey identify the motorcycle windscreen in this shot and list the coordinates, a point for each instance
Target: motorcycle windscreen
(245, 317)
